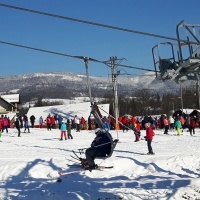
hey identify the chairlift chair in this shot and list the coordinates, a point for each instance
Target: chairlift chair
(95, 112)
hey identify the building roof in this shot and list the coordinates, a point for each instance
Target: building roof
(11, 98)
(2, 99)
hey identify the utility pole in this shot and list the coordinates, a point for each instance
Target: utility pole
(115, 73)
(198, 95)
(181, 91)
(88, 83)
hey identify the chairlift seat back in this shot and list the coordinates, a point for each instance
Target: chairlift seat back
(113, 145)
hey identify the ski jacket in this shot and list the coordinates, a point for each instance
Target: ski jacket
(1, 124)
(149, 133)
(166, 122)
(41, 120)
(53, 121)
(178, 124)
(32, 118)
(63, 127)
(25, 118)
(82, 121)
(5, 122)
(76, 120)
(138, 126)
(192, 123)
(171, 120)
(17, 123)
(182, 120)
(60, 119)
(102, 142)
(125, 120)
(133, 120)
(48, 120)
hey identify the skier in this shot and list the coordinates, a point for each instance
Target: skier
(48, 122)
(59, 121)
(77, 123)
(5, 124)
(178, 126)
(100, 147)
(32, 119)
(136, 128)
(63, 129)
(192, 126)
(17, 126)
(41, 121)
(69, 128)
(26, 125)
(149, 137)
(166, 124)
(171, 123)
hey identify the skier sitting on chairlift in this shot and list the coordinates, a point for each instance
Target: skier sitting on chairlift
(101, 146)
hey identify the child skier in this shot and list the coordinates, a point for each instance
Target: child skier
(63, 129)
(149, 137)
(178, 126)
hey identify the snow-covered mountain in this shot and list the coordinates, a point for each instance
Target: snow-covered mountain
(65, 85)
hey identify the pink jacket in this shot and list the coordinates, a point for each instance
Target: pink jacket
(5, 122)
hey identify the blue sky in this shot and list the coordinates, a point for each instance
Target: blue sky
(77, 39)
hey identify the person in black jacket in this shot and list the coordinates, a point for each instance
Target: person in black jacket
(18, 126)
(32, 119)
(100, 147)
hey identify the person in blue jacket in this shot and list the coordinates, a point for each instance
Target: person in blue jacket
(60, 119)
(63, 129)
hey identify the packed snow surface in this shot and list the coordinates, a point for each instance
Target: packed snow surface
(29, 167)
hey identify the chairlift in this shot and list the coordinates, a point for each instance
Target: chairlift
(96, 113)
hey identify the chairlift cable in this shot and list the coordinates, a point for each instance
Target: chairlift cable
(96, 24)
(67, 55)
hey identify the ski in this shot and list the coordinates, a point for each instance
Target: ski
(103, 167)
(98, 168)
(61, 173)
(68, 173)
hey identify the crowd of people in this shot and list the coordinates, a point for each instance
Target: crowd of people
(126, 123)
(4, 124)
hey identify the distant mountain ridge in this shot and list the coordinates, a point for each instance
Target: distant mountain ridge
(65, 85)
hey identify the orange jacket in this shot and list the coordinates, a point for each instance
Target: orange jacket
(182, 120)
(165, 121)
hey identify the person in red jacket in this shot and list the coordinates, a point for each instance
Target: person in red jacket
(137, 125)
(149, 137)
(125, 123)
(53, 122)
(192, 126)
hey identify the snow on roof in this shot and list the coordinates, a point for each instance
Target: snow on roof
(188, 111)
(11, 98)
(11, 115)
(66, 111)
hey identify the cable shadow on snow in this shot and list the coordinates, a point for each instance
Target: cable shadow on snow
(166, 181)
(76, 186)
(80, 185)
(131, 152)
(49, 148)
(22, 185)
